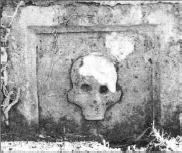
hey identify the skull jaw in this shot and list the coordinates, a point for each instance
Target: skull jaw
(96, 113)
(90, 110)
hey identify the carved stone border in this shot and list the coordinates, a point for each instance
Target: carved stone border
(38, 30)
(87, 29)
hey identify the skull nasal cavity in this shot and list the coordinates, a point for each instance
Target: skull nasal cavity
(86, 87)
(103, 89)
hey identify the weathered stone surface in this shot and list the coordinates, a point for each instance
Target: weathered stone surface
(148, 68)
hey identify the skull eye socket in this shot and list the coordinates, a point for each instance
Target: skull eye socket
(86, 87)
(103, 89)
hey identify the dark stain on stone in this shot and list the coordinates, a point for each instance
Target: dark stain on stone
(136, 76)
(108, 118)
(61, 127)
(150, 60)
(77, 109)
(81, 63)
(18, 128)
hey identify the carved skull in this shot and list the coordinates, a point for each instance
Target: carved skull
(95, 87)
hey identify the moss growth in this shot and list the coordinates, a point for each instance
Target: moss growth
(18, 128)
(61, 127)
(121, 133)
(172, 125)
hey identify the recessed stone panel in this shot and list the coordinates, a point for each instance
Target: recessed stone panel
(56, 55)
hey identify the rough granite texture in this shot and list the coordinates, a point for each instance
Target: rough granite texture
(148, 69)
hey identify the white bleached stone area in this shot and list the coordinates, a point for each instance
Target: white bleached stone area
(55, 146)
(167, 26)
(119, 45)
(101, 69)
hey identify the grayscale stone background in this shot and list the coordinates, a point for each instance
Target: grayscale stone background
(148, 69)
